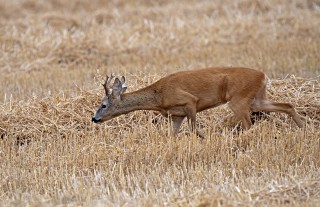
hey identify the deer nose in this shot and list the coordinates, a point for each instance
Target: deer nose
(94, 120)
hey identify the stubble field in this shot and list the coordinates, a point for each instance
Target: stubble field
(55, 54)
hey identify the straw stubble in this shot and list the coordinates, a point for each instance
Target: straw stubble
(51, 154)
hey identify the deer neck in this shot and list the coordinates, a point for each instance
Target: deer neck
(143, 99)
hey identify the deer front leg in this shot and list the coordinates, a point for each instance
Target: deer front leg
(191, 112)
(176, 123)
(191, 116)
(185, 104)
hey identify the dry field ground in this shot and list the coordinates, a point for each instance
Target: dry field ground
(52, 155)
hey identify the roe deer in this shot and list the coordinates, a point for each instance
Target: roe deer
(185, 93)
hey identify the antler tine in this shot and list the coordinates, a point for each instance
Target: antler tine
(109, 80)
(106, 84)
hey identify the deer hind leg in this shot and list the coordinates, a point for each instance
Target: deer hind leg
(258, 115)
(269, 106)
(241, 110)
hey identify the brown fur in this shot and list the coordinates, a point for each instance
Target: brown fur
(185, 93)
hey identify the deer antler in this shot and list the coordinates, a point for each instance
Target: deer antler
(106, 85)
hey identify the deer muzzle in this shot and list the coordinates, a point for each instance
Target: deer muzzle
(95, 120)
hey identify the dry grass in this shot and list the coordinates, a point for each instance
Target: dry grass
(51, 154)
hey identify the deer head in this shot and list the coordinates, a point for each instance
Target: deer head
(111, 102)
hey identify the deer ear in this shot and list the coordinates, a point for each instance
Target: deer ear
(116, 88)
(123, 84)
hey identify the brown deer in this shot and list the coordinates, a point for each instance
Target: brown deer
(185, 93)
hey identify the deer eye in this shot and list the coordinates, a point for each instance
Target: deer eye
(104, 106)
